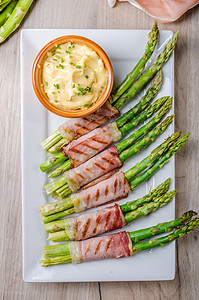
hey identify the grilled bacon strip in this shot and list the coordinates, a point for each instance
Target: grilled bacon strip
(109, 246)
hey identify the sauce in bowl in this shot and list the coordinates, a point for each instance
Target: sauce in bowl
(73, 76)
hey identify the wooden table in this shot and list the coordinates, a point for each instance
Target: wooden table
(97, 14)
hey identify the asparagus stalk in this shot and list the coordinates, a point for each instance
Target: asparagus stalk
(147, 140)
(59, 170)
(60, 254)
(160, 163)
(58, 146)
(4, 3)
(15, 18)
(147, 113)
(146, 233)
(4, 15)
(54, 161)
(145, 100)
(145, 77)
(144, 129)
(51, 140)
(130, 115)
(150, 47)
(146, 209)
(188, 228)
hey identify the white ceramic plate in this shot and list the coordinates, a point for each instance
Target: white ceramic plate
(124, 48)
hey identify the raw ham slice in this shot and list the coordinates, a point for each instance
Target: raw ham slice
(114, 188)
(95, 223)
(164, 10)
(103, 247)
(74, 128)
(89, 145)
(95, 167)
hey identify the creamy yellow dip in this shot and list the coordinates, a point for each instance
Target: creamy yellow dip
(73, 76)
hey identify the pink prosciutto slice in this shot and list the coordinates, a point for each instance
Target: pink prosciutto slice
(95, 223)
(76, 127)
(97, 166)
(164, 10)
(89, 145)
(109, 246)
(114, 188)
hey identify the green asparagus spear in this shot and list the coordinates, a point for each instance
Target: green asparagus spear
(145, 128)
(53, 161)
(155, 193)
(51, 140)
(160, 163)
(60, 169)
(145, 100)
(152, 157)
(15, 18)
(146, 114)
(193, 224)
(58, 215)
(4, 15)
(146, 233)
(147, 140)
(58, 146)
(150, 47)
(145, 77)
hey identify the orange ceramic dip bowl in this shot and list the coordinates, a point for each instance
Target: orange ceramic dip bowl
(38, 83)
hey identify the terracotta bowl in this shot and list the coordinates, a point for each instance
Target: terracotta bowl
(37, 77)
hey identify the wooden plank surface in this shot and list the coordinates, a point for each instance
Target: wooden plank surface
(97, 14)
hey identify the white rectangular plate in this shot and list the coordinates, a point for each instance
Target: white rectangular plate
(124, 48)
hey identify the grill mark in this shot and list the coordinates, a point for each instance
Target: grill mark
(81, 176)
(106, 191)
(107, 220)
(97, 223)
(98, 247)
(100, 167)
(77, 151)
(97, 195)
(108, 245)
(99, 141)
(91, 147)
(110, 162)
(89, 170)
(76, 226)
(87, 250)
(88, 199)
(86, 226)
(115, 185)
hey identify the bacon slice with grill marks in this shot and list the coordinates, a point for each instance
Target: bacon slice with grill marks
(97, 166)
(76, 127)
(114, 188)
(95, 223)
(89, 145)
(109, 246)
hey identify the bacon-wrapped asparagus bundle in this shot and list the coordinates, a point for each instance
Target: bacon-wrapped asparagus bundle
(116, 187)
(122, 244)
(68, 131)
(107, 219)
(113, 157)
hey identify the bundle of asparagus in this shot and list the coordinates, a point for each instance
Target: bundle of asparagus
(116, 187)
(77, 127)
(110, 218)
(12, 13)
(122, 244)
(98, 139)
